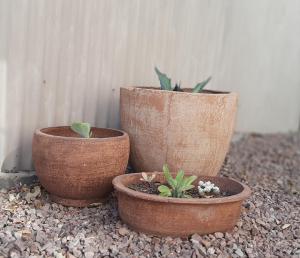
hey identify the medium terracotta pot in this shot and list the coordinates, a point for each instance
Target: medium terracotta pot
(189, 131)
(78, 171)
(165, 216)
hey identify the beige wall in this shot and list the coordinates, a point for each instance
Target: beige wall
(64, 60)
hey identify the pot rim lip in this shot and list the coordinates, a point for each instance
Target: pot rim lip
(123, 136)
(157, 90)
(119, 186)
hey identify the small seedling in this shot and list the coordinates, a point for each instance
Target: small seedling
(207, 189)
(165, 83)
(147, 178)
(177, 186)
(83, 129)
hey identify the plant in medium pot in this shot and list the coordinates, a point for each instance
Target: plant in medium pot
(186, 128)
(179, 206)
(76, 164)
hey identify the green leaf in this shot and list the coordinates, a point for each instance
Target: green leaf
(83, 129)
(165, 82)
(171, 181)
(179, 178)
(187, 183)
(191, 179)
(187, 187)
(164, 190)
(199, 87)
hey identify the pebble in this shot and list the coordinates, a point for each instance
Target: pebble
(123, 231)
(239, 252)
(219, 235)
(268, 226)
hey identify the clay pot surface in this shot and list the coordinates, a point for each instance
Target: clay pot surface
(179, 217)
(189, 131)
(78, 171)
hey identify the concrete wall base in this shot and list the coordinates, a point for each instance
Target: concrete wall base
(8, 180)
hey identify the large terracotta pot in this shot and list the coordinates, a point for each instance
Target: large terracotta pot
(189, 131)
(78, 171)
(165, 216)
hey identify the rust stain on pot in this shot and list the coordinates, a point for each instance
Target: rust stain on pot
(78, 171)
(196, 128)
(182, 217)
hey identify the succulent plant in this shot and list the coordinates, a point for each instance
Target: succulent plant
(83, 129)
(177, 186)
(147, 178)
(165, 83)
(207, 188)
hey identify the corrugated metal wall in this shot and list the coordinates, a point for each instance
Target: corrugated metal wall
(62, 61)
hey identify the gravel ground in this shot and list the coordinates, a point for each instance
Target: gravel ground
(32, 226)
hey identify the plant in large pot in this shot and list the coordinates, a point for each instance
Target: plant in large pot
(186, 128)
(76, 164)
(179, 206)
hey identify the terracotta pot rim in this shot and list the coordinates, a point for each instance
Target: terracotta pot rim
(206, 92)
(119, 186)
(119, 137)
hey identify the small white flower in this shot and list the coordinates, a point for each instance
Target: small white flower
(207, 187)
(216, 189)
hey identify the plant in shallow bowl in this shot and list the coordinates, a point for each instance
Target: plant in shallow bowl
(191, 127)
(76, 164)
(174, 206)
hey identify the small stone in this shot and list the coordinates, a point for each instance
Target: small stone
(206, 243)
(123, 231)
(11, 197)
(239, 252)
(18, 234)
(69, 255)
(223, 243)
(285, 226)
(89, 254)
(211, 250)
(76, 252)
(219, 235)
(58, 255)
(248, 251)
(202, 250)
(196, 238)
(26, 235)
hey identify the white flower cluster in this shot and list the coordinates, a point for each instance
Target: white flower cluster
(207, 187)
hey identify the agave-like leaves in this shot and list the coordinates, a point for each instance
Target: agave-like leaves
(200, 86)
(83, 129)
(171, 181)
(165, 82)
(179, 185)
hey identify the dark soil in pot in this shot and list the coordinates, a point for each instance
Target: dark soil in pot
(152, 188)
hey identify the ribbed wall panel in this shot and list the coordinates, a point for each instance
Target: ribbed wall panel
(62, 61)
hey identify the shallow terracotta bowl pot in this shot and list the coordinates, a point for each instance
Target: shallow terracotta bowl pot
(179, 217)
(78, 171)
(189, 131)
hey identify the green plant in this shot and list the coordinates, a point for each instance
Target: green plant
(177, 186)
(83, 129)
(165, 83)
